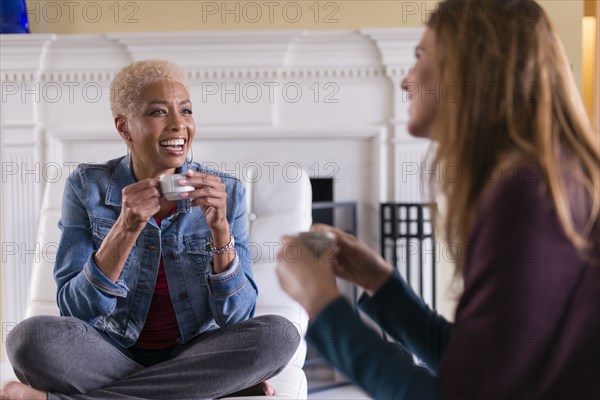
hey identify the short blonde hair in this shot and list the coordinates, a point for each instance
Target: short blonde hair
(126, 88)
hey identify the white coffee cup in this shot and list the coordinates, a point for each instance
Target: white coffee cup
(170, 187)
(318, 242)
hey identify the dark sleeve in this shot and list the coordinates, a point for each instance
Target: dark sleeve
(343, 339)
(519, 275)
(405, 316)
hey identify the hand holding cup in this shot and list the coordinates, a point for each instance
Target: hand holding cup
(171, 188)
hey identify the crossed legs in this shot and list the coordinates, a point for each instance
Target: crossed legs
(69, 359)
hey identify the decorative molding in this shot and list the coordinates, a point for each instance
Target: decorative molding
(233, 132)
(20, 186)
(396, 47)
(282, 55)
(281, 74)
(21, 134)
(85, 53)
(22, 55)
(77, 76)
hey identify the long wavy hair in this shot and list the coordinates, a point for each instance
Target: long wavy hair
(518, 97)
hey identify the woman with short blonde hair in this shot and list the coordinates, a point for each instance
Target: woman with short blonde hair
(155, 287)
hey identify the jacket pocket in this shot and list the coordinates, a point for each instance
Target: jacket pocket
(100, 229)
(197, 248)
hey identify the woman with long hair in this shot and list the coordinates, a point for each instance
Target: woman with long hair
(524, 212)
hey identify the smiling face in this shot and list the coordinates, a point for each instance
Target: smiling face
(161, 129)
(421, 85)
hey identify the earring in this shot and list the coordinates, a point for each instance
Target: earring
(188, 155)
(128, 144)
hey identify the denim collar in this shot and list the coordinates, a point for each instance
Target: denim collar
(122, 176)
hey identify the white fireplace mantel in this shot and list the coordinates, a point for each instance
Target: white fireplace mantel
(329, 101)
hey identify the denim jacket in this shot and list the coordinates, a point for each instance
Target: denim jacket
(202, 300)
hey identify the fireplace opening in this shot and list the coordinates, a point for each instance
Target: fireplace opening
(322, 192)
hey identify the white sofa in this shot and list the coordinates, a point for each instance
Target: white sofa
(276, 206)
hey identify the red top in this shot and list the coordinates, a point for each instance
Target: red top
(160, 329)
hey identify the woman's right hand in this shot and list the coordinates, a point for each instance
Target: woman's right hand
(356, 262)
(140, 201)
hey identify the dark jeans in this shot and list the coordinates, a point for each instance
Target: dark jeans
(71, 360)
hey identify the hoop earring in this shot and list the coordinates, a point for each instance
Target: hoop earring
(191, 157)
(128, 144)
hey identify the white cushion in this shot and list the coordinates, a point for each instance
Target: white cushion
(273, 300)
(289, 384)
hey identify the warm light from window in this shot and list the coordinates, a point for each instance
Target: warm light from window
(589, 48)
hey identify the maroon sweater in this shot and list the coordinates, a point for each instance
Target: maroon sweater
(527, 325)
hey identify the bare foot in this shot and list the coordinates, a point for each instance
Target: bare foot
(268, 389)
(261, 389)
(19, 391)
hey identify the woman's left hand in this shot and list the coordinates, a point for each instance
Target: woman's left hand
(210, 196)
(306, 277)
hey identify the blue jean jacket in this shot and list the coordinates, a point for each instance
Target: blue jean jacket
(202, 300)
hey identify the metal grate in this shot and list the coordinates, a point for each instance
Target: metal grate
(408, 244)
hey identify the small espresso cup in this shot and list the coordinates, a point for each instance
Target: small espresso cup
(318, 242)
(170, 187)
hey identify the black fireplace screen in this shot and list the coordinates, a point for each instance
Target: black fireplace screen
(408, 244)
